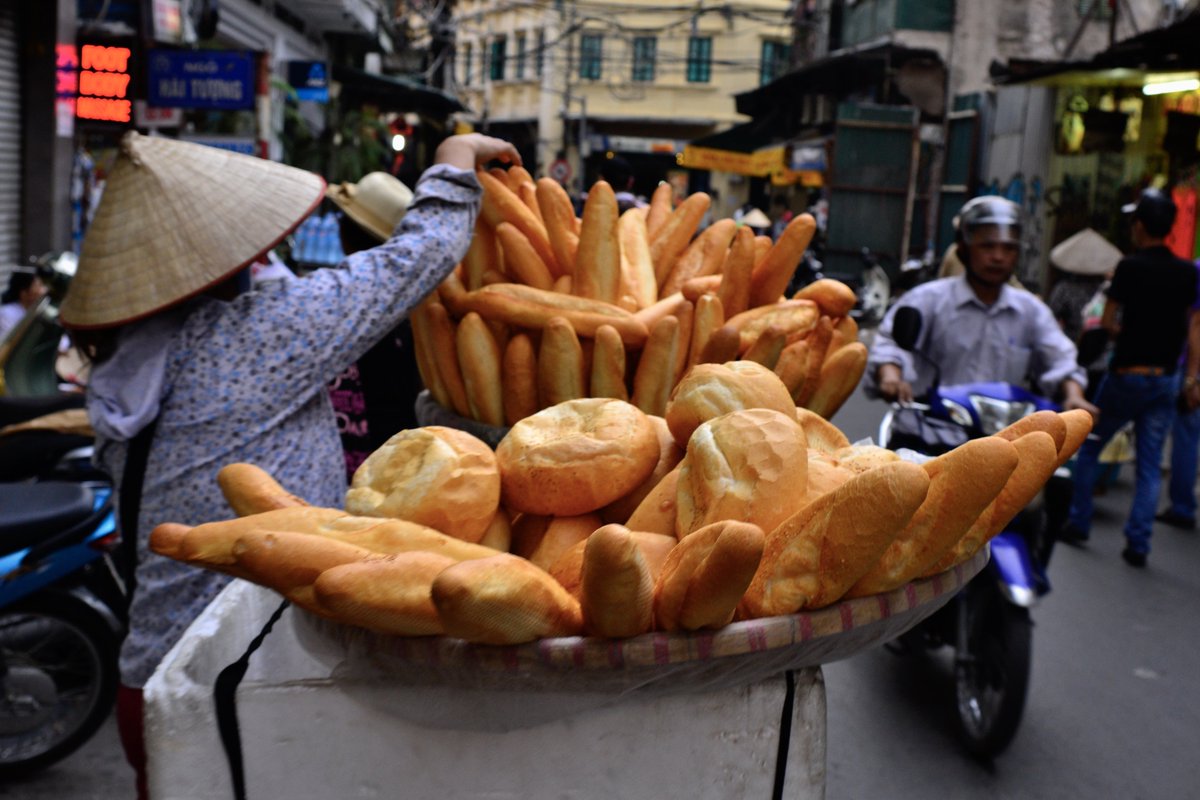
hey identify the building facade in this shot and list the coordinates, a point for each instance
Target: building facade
(571, 83)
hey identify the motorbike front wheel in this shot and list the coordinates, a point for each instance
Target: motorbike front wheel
(991, 670)
(58, 680)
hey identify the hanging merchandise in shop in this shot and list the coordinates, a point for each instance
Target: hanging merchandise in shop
(211, 79)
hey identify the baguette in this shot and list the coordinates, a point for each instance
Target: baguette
(597, 272)
(502, 600)
(839, 375)
(661, 206)
(521, 261)
(482, 256)
(391, 596)
(962, 483)
(686, 315)
(768, 346)
(818, 345)
(675, 234)
(658, 510)
(654, 547)
(1049, 421)
(479, 356)
(617, 591)
(543, 540)
(519, 391)
(772, 275)
(653, 380)
(669, 456)
(452, 294)
(525, 306)
(637, 268)
(251, 490)
(501, 204)
(796, 317)
(792, 366)
(211, 544)
(1079, 425)
(706, 575)
(426, 356)
(1037, 460)
(560, 375)
(608, 365)
(528, 194)
(445, 353)
(559, 217)
(834, 298)
(704, 256)
(722, 346)
(702, 286)
(822, 434)
(498, 535)
(812, 558)
(290, 562)
(734, 291)
(706, 319)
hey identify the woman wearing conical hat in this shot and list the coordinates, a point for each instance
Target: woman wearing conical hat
(205, 373)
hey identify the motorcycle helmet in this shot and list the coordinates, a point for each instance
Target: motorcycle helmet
(995, 218)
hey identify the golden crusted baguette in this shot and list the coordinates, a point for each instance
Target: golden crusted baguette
(479, 357)
(813, 557)
(521, 261)
(659, 509)
(1079, 425)
(501, 204)
(392, 595)
(519, 392)
(559, 217)
(482, 256)
(962, 483)
(796, 317)
(840, 374)
(669, 457)
(676, 232)
(662, 203)
(653, 380)
(707, 318)
(617, 593)
(291, 562)
(1049, 421)
(771, 276)
(250, 489)
(527, 307)
(705, 255)
(445, 352)
(560, 374)
(822, 434)
(543, 540)
(637, 268)
(706, 575)
(835, 298)
(597, 272)
(734, 291)
(568, 570)
(608, 365)
(503, 599)
(426, 356)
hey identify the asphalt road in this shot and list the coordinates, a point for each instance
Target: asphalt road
(1113, 710)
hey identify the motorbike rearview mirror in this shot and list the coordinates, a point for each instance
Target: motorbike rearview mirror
(906, 327)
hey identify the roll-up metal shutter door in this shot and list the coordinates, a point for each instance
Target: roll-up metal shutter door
(10, 141)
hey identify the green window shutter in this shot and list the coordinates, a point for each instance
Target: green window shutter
(591, 48)
(699, 59)
(499, 47)
(519, 63)
(645, 49)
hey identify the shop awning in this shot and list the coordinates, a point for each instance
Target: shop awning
(838, 75)
(752, 148)
(392, 93)
(1163, 50)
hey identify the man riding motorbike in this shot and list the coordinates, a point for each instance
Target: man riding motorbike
(978, 327)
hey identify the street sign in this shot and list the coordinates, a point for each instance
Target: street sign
(560, 170)
(310, 79)
(221, 79)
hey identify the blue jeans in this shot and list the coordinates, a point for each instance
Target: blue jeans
(1150, 402)
(1185, 441)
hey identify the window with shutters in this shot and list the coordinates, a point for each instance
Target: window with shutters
(699, 59)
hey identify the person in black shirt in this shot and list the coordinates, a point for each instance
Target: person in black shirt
(1148, 313)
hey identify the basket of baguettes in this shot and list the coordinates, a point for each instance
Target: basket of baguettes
(547, 307)
(593, 521)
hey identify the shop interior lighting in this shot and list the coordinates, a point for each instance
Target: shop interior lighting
(398, 142)
(1167, 87)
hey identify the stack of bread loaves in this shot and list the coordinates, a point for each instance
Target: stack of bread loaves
(593, 517)
(548, 307)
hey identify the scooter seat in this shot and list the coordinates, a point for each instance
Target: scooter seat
(31, 512)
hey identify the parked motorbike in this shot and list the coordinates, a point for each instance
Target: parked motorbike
(988, 623)
(62, 587)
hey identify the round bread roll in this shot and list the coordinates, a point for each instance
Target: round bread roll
(749, 465)
(710, 390)
(576, 457)
(862, 457)
(440, 477)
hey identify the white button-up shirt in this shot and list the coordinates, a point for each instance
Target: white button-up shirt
(1016, 339)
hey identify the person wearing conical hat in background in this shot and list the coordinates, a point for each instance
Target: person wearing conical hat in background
(209, 374)
(1084, 262)
(375, 397)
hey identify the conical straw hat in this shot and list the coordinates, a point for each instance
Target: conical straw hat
(755, 218)
(1085, 253)
(376, 203)
(175, 219)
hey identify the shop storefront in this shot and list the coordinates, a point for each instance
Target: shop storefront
(10, 140)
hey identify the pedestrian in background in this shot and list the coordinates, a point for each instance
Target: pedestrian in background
(1147, 313)
(1185, 443)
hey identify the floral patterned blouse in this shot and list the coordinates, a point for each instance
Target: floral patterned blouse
(246, 381)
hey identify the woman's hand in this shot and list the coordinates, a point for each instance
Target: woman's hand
(469, 150)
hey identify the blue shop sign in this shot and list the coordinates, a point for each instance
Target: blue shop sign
(310, 79)
(201, 79)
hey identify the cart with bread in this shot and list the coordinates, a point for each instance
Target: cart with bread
(615, 566)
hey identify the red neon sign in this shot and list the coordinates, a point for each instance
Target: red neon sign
(104, 84)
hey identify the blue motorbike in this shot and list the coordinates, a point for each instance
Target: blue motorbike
(988, 623)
